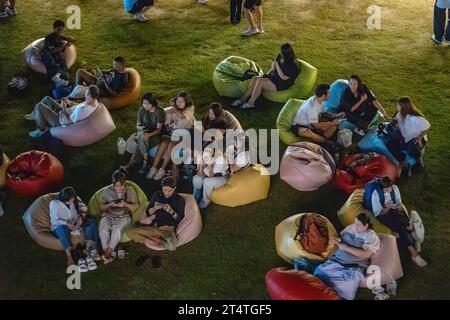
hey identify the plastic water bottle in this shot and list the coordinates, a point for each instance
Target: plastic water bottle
(391, 287)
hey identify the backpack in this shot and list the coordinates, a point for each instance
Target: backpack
(370, 188)
(313, 233)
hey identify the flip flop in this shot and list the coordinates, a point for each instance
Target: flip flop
(91, 264)
(141, 260)
(156, 262)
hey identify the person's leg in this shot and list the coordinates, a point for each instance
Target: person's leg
(250, 89)
(209, 184)
(52, 103)
(262, 84)
(140, 234)
(90, 230)
(398, 223)
(85, 78)
(119, 226)
(45, 117)
(233, 8)
(249, 15)
(309, 134)
(197, 184)
(439, 23)
(169, 236)
(63, 235)
(238, 14)
(328, 133)
(447, 29)
(168, 157)
(104, 231)
(370, 111)
(161, 151)
(259, 17)
(355, 118)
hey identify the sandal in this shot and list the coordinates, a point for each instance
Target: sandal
(94, 255)
(91, 264)
(141, 260)
(107, 260)
(247, 106)
(236, 103)
(82, 266)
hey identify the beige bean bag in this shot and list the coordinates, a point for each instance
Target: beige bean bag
(387, 259)
(128, 95)
(37, 222)
(88, 131)
(3, 167)
(232, 120)
(288, 248)
(32, 56)
(247, 186)
(307, 166)
(191, 225)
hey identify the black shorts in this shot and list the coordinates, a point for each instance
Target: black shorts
(295, 127)
(249, 4)
(139, 5)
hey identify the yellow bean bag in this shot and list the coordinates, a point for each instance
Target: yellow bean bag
(353, 206)
(288, 248)
(94, 206)
(247, 186)
(6, 161)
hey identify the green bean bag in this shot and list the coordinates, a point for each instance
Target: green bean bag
(227, 76)
(301, 88)
(284, 121)
(94, 206)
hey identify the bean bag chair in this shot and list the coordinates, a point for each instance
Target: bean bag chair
(284, 284)
(334, 100)
(306, 166)
(191, 225)
(38, 224)
(128, 95)
(301, 88)
(34, 173)
(87, 131)
(94, 206)
(289, 249)
(387, 259)
(285, 119)
(232, 120)
(32, 56)
(247, 186)
(376, 166)
(3, 167)
(377, 143)
(227, 76)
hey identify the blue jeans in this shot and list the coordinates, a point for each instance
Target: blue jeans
(235, 11)
(89, 229)
(439, 23)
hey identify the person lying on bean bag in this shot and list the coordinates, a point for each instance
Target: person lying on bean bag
(165, 211)
(344, 270)
(48, 113)
(284, 72)
(383, 199)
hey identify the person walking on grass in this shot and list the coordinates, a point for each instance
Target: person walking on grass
(138, 8)
(7, 9)
(441, 14)
(254, 19)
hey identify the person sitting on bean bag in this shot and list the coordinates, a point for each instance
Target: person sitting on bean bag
(167, 207)
(55, 43)
(307, 122)
(109, 82)
(414, 127)
(117, 202)
(179, 116)
(138, 8)
(150, 120)
(68, 214)
(360, 104)
(284, 72)
(215, 119)
(348, 262)
(383, 199)
(48, 113)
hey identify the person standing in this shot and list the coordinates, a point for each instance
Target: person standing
(235, 11)
(138, 8)
(441, 12)
(254, 19)
(7, 10)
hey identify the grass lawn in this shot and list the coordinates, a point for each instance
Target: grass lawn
(178, 50)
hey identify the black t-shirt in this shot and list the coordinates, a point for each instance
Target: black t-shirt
(163, 218)
(348, 99)
(290, 69)
(117, 81)
(53, 40)
(220, 124)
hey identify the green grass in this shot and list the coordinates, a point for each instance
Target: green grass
(178, 50)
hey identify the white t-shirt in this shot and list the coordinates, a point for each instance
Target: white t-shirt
(412, 126)
(77, 113)
(371, 241)
(376, 203)
(60, 214)
(443, 4)
(309, 112)
(219, 163)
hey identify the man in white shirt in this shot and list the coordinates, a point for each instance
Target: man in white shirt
(441, 33)
(307, 122)
(48, 113)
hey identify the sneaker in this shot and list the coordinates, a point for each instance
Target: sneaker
(36, 133)
(58, 81)
(29, 116)
(10, 12)
(159, 174)
(250, 31)
(140, 17)
(236, 103)
(246, 106)
(359, 132)
(203, 204)
(94, 255)
(202, 2)
(14, 82)
(260, 30)
(91, 265)
(22, 83)
(151, 173)
(3, 14)
(419, 261)
(436, 40)
(143, 167)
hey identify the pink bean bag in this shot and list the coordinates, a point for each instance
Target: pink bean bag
(32, 55)
(191, 225)
(88, 131)
(387, 259)
(283, 284)
(306, 166)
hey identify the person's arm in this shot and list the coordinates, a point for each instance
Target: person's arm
(380, 108)
(377, 208)
(326, 125)
(359, 252)
(177, 212)
(132, 200)
(152, 207)
(104, 206)
(82, 207)
(280, 71)
(359, 103)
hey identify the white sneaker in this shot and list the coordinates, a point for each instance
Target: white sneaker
(29, 116)
(3, 15)
(159, 174)
(140, 17)
(36, 133)
(202, 1)
(10, 12)
(359, 132)
(250, 31)
(14, 82)
(436, 40)
(1, 210)
(419, 261)
(151, 173)
(261, 30)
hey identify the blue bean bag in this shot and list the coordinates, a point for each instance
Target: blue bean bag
(376, 143)
(348, 125)
(334, 100)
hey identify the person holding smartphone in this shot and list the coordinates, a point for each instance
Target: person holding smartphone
(117, 202)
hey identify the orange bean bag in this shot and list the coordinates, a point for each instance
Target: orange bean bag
(283, 284)
(128, 95)
(34, 173)
(32, 56)
(376, 166)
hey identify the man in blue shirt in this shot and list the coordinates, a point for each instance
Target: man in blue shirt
(441, 33)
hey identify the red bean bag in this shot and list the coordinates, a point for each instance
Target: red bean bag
(377, 166)
(283, 284)
(34, 173)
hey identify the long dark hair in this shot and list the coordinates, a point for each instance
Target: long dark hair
(150, 97)
(360, 89)
(407, 107)
(287, 53)
(66, 194)
(187, 99)
(218, 113)
(364, 219)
